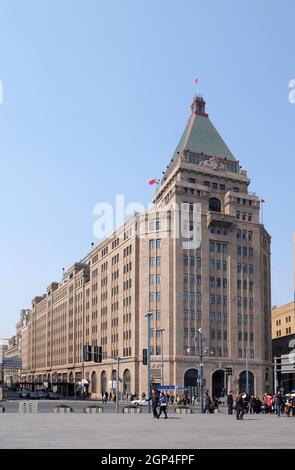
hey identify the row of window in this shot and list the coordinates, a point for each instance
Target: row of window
(218, 282)
(155, 260)
(127, 267)
(245, 319)
(217, 265)
(127, 352)
(218, 247)
(244, 201)
(218, 300)
(155, 225)
(218, 317)
(218, 230)
(155, 243)
(191, 315)
(155, 296)
(247, 268)
(218, 334)
(288, 331)
(246, 302)
(244, 251)
(191, 279)
(155, 279)
(127, 251)
(245, 216)
(126, 317)
(191, 261)
(245, 336)
(127, 334)
(245, 284)
(244, 352)
(192, 297)
(244, 234)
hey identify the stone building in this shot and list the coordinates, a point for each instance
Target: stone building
(218, 282)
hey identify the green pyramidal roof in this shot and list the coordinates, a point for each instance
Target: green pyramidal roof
(200, 135)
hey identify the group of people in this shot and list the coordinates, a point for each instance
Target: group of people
(108, 397)
(159, 400)
(275, 404)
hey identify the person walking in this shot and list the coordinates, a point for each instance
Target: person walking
(230, 403)
(208, 403)
(163, 405)
(155, 403)
(240, 404)
(278, 404)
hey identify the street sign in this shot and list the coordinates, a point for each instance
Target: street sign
(171, 387)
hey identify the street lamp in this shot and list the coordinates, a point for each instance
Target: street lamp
(247, 369)
(201, 353)
(117, 381)
(149, 316)
(161, 331)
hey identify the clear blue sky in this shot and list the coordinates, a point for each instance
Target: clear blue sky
(96, 96)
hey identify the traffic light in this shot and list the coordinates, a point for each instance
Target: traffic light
(144, 357)
(97, 354)
(229, 371)
(87, 352)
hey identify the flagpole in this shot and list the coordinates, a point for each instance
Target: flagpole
(262, 212)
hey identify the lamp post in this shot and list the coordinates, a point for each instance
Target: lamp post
(201, 353)
(117, 381)
(247, 369)
(149, 316)
(161, 331)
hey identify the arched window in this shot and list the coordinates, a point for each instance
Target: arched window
(93, 382)
(243, 382)
(191, 381)
(218, 390)
(214, 204)
(103, 382)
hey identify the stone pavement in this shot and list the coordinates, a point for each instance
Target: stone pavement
(142, 431)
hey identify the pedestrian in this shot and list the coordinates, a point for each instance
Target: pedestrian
(155, 403)
(278, 404)
(208, 403)
(240, 405)
(163, 405)
(216, 403)
(230, 403)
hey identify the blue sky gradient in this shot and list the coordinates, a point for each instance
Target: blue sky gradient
(96, 96)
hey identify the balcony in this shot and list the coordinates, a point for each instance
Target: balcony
(219, 219)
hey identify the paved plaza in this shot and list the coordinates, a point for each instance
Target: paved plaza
(107, 431)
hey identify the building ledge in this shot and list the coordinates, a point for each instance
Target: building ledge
(216, 218)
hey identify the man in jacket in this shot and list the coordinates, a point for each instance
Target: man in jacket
(230, 403)
(155, 403)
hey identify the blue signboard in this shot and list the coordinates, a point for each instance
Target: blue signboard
(171, 387)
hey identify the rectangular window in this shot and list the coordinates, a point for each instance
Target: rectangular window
(158, 243)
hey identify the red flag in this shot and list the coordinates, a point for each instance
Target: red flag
(154, 181)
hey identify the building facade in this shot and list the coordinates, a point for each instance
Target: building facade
(283, 340)
(218, 282)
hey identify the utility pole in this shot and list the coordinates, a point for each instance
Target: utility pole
(148, 316)
(247, 370)
(201, 354)
(117, 385)
(162, 356)
(275, 373)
